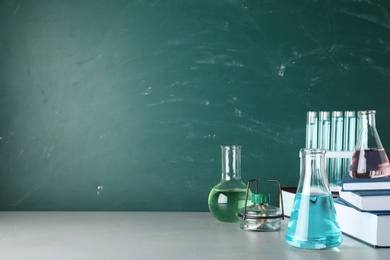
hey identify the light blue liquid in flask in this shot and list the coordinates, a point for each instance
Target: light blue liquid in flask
(313, 223)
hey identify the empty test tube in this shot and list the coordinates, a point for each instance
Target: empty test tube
(311, 129)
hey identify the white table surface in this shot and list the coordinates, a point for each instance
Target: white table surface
(152, 235)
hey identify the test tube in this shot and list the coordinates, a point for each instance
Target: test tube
(335, 171)
(324, 134)
(349, 137)
(324, 130)
(311, 129)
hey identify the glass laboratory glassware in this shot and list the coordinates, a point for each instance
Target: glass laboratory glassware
(261, 216)
(335, 164)
(313, 223)
(349, 137)
(311, 129)
(228, 196)
(324, 130)
(324, 135)
(369, 159)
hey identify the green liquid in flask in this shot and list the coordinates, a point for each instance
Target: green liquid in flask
(225, 204)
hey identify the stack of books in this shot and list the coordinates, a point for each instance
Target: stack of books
(363, 209)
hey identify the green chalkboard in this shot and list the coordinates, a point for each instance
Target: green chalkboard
(123, 105)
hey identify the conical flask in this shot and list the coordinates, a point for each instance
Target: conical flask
(228, 196)
(369, 159)
(312, 223)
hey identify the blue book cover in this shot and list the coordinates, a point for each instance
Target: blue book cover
(348, 183)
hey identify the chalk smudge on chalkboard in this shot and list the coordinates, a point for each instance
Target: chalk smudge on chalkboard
(233, 100)
(238, 112)
(148, 91)
(16, 10)
(381, 21)
(20, 153)
(99, 189)
(281, 70)
(48, 151)
(193, 134)
(277, 135)
(82, 62)
(368, 60)
(220, 59)
(233, 64)
(180, 83)
(169, 100)
(205, 102)
(32, 190)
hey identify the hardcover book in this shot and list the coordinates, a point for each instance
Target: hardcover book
(368, 200)
(368, 227)
(348, 183)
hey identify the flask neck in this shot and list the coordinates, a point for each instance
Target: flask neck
(368, 137)
(371, 119)
(231, 162)
(313, 178)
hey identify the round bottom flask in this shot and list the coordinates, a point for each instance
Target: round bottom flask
(228, 196)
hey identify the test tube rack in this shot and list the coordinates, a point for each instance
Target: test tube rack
(335, 132)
